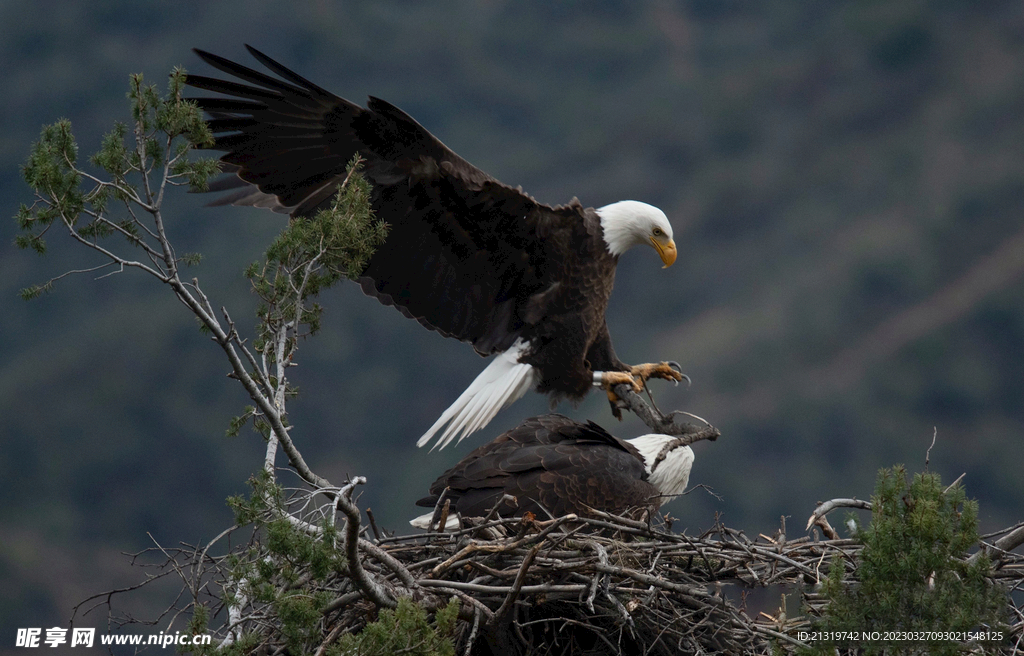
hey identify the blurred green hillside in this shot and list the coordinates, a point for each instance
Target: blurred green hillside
(846, 182)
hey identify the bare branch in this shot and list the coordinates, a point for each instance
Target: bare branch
(665, 424)
(827, 507)
(372, 589)
(1001, 547)
(517, 586)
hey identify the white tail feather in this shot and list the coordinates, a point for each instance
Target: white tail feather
(503, 381)
(423, 521)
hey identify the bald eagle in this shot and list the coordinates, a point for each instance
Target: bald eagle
(465, 255)
(554, 466)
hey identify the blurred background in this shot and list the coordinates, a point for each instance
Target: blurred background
(846, 182)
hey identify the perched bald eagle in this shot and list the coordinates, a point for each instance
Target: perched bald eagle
(554, 466)
(465, 255)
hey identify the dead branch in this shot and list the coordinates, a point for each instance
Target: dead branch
(827, 507)
(1001, 547)
(665, 424)
(372, 589)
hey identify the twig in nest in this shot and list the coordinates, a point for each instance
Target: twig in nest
(501, 547)
(827, 507)
(373, 590)
(628, 521)
(826, 528)
(707, 488)
(1005, 544)
(373, 523)
(442, 522)
(483, 531)
(517, 585)
(472, 633)
(438, 509)
(602, 557)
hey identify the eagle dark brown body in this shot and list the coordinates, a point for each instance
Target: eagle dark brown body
(553, 466)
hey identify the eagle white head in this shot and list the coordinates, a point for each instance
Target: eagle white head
(670, 474)
(629, 223)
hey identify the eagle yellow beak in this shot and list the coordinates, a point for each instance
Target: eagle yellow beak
(667, 252)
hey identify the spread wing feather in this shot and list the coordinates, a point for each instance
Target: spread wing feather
(465, 255)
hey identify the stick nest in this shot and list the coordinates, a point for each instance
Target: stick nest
(573, 585)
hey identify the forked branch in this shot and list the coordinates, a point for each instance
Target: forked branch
(669, 424)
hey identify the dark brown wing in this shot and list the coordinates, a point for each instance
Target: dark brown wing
(465, 255)
(553, 466)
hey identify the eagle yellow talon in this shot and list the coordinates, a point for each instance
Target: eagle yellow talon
(663, 370)
(613, 378)
(610, 379)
